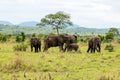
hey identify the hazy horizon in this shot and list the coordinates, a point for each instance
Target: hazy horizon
(88, 13)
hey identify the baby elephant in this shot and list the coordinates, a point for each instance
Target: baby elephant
(72, 46)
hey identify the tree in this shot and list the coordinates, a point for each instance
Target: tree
(23, 36)
(114, 31)
(109, 35)
(58, 20)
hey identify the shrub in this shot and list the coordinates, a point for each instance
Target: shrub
(118, 40)
(109, 47)
(23, 36)
(109, 37)
(20, 47)
(18, 38)
(3, 37)
(33, 35)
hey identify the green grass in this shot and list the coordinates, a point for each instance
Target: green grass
(55, 65)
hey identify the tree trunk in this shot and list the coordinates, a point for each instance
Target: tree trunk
(57, 30)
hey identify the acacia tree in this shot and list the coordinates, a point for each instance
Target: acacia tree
(58, 20)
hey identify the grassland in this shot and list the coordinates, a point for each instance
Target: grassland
(55, 65)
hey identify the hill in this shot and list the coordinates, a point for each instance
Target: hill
(12, 29)
(29, 23)
(6, 23)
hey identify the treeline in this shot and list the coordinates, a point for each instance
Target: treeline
(23, 39)
(111, 35)
(13, 29)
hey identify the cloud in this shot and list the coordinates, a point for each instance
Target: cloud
(91, 13)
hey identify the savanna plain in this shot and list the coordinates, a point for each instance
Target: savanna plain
(56, 65)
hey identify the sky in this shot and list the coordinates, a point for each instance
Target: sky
(86, 13)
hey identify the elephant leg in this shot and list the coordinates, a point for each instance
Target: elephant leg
(99, 48)
(69, 49)
(94, 50)
(88, 49)
(76, 49)
(40, 48)
(31, 48)
(61, 48)
(45, 48)
(91, 50)
(36, 49)
(94, 47)
(66, 47)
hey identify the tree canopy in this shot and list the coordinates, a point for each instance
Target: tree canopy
(114, 31)
(58, 20)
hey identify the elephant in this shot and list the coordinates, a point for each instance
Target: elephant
(35, 43)
(72, 39)
(58, 40)
(94, 43)
(72, 46)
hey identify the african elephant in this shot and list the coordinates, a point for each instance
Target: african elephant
(58, 40)
(72, 39)
(35, 43)
(94, 43)
(72, 46)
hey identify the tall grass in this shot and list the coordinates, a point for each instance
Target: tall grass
(56, 65)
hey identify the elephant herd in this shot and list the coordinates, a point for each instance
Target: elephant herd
(65, 42)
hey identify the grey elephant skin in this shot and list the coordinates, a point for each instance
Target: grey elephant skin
(36, 44)
(58, 41)
(94, 44)
(72, 46)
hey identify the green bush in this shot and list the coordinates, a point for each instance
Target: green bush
(109, 37)
(18, 38)
(23, 36)
(34, 35)
(109, 47)
(20, 47)
(118, 40)
(3, 37)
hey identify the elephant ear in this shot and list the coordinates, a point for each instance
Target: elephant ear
(67, 39)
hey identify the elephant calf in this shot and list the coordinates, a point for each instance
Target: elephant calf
(72, 46)
(35, 43)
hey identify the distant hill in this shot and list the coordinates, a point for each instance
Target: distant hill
(6, 23)
(30, 27)
(13, 29)
(29, 23)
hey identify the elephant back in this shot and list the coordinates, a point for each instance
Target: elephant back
(51, 40)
